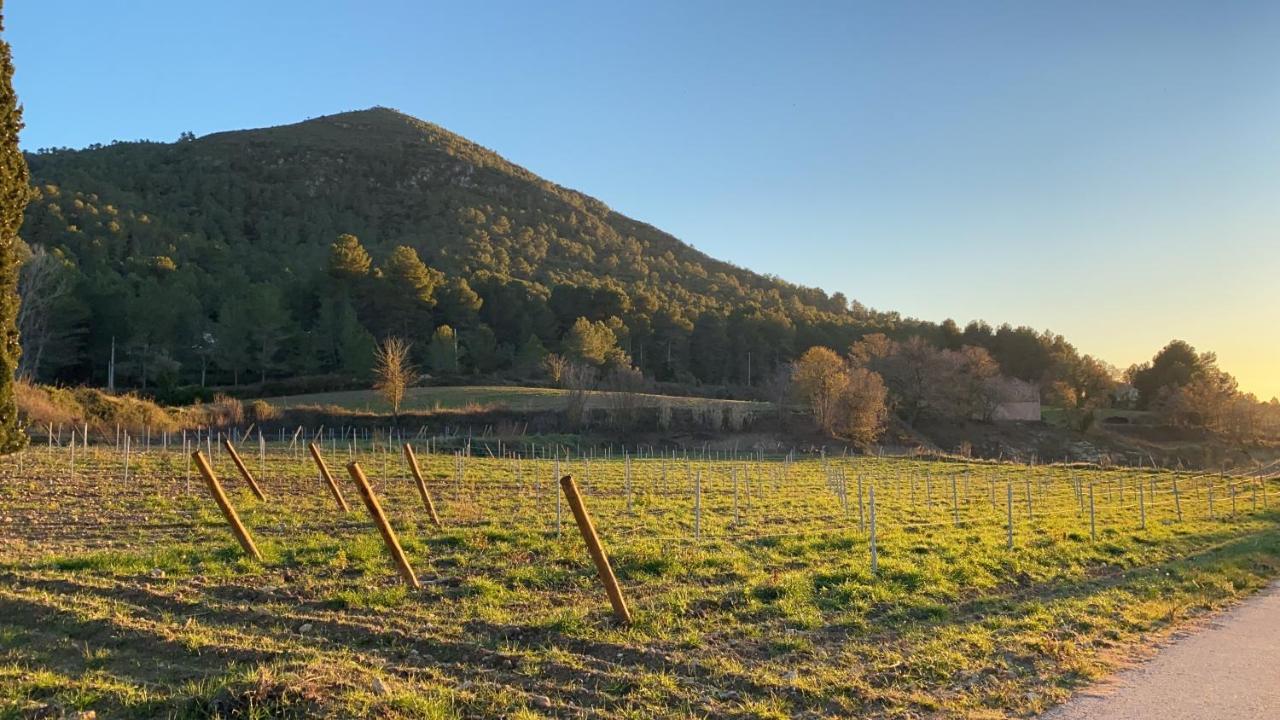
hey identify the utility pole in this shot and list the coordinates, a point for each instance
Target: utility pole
(111, 367)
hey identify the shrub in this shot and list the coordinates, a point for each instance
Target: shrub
(261, 411)
(41, 406)
(224, 411)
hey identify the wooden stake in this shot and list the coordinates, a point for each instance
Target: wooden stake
(422, 485)
(215, 488)
(598, 556)
(697, 506)
(1142, 507)
(328, 478)
(248, 476)
(1009, 511)
(875, 555)
(955, 502)
(1093, 525)
(384, 527)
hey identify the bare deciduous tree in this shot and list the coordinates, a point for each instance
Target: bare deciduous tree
(860, 409)
(394, 372)
(624, 386)
(578, 378)
(555, 365)
(42, 282)
(778, 389)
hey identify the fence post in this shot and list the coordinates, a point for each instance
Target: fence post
(598, 556)
(248, 476)
(1142, 506)
(697, 505)
(627, 471)
(1009, 512)
(875, 555)
(1093, 525)
(735, 497)
(422, 485)
(328, 477)
(384, 527)
(955, 502)
(1177, 499)
(862, 507)
(559, 511)
(215, 488)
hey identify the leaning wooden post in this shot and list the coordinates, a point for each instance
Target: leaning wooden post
(422, 485)
(215, 487)
(248, 476)
(588, 530)
(384, 527)
(328, 478)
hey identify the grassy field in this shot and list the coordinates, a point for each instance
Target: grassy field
(750, 582)
(462, 397)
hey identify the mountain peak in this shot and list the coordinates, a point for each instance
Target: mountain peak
(260, 208)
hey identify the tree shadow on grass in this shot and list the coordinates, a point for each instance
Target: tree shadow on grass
(585, 686)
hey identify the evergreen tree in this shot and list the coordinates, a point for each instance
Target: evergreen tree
(458, 303)
(594, 343)
(530, 358)
(442, 353)
(406, 294)
(233, 334)
(14, 194)
(348, 260)
(483, 353)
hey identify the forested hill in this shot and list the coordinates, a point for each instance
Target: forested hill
(222, 255)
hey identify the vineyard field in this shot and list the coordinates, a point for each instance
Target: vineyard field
(770, 587)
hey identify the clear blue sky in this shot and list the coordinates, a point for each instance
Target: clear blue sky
(1110, 170)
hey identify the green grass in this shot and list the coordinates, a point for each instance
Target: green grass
(422, 399)
(134, 600)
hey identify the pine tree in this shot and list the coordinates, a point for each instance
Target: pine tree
(442, 353)
(14, 193)
(348, 260)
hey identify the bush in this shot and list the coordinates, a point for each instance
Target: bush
(40, 406)
(224, 411)
(130, 412)
(261, 411)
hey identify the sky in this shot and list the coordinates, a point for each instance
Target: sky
(1107, 170)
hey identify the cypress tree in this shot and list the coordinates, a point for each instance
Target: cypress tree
(14, 193)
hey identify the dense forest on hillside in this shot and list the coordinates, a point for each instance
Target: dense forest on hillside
(290, 251)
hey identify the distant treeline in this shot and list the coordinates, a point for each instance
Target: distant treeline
(287, 252)
(235, 257)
